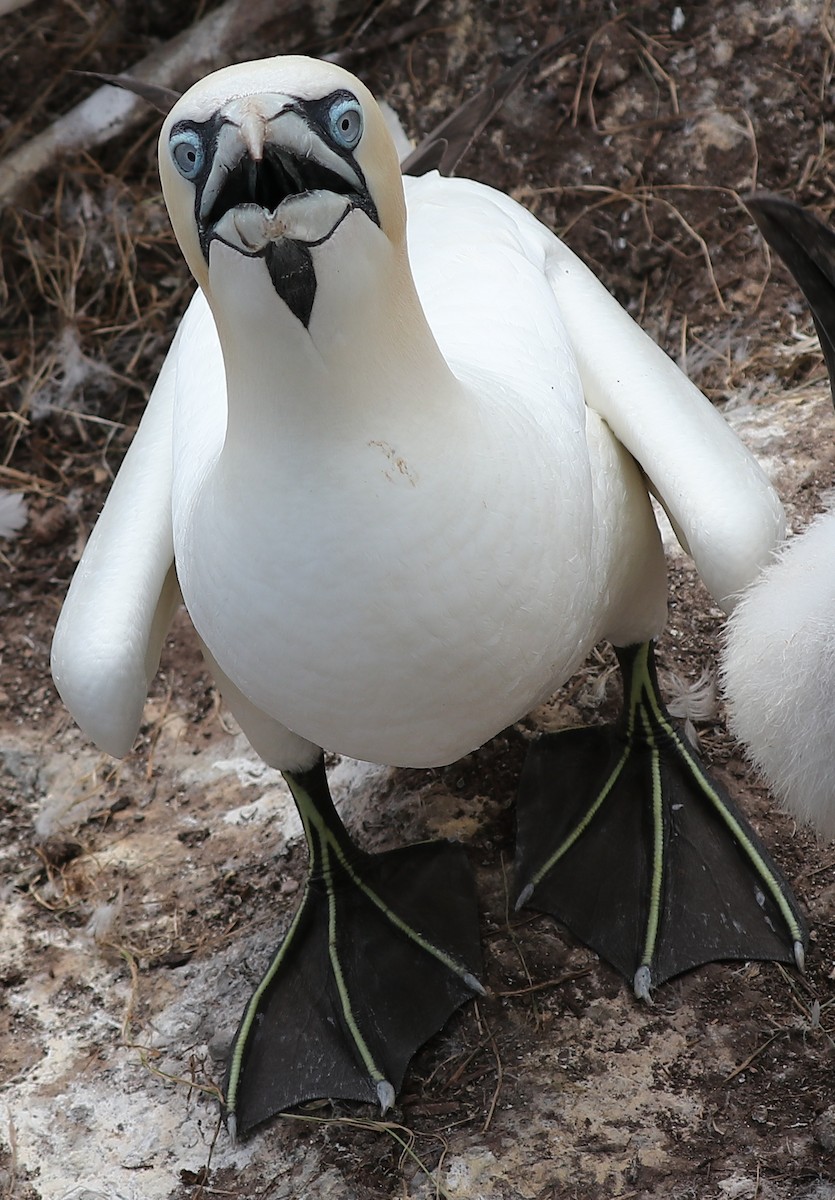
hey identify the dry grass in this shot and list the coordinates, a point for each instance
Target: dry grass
(92, 285)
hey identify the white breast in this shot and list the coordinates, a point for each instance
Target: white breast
(404, 590)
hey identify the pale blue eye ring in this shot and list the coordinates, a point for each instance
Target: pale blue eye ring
(346, 123)
(187, 151)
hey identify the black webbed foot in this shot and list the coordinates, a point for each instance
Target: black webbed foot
(382, 949)
(625, 838)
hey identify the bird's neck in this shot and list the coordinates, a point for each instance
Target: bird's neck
(366, 360)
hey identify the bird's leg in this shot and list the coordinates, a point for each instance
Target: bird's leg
(383, 948)
(625, 838)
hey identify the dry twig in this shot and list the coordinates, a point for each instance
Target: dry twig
(110, 111)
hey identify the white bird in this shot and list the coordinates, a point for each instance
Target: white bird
(401, 473)
(779, 662)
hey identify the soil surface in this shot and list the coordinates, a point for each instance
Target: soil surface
(141, 898)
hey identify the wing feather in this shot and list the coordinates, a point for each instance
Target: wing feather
(719, 500)
(124, 592)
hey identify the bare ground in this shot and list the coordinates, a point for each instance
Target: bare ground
(141, 898)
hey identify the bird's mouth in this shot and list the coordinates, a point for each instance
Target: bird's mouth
(280, 195)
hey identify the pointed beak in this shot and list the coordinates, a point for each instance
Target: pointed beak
(245, 126)
(266, 151)
(253, 128)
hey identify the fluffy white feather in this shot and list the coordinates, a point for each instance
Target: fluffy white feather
(779, 673)
(13, 513)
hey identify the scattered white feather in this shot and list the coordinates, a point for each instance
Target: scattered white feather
(779, 674)
(103, 919)
(692, 702)
(13, 513)
(60, 811)
(74, 371)
(594, 693)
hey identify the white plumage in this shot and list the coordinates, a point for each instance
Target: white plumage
(779, 672)
(779, 661)
(403, 480)
(400, 536)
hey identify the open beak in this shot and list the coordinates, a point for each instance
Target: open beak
(267, 159)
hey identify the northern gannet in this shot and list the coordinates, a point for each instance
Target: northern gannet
(401, 473)
(779, 660)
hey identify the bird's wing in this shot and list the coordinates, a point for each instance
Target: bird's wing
(124, 592)
(723, 508)
(779, 657)
(493, 281)
(807, 247)
(443, 148)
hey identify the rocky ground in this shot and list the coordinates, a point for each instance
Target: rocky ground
(141, 898)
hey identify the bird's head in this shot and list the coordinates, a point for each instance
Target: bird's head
(270, 159)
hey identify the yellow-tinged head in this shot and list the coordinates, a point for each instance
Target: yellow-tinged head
(270, 157)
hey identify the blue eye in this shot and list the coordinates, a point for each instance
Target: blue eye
(346, 123)
(186, 148)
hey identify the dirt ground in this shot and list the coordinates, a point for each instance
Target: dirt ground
(141, 898)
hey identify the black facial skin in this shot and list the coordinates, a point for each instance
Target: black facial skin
(267, 183)
(291, 269)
